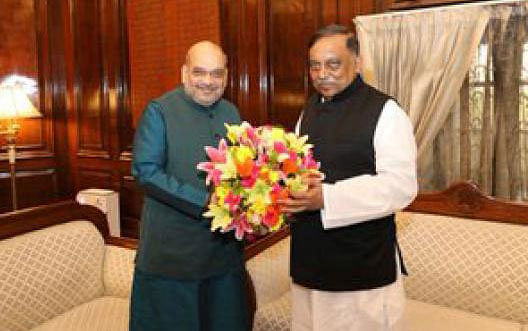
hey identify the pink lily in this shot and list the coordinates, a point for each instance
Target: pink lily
(262, 159)
(308, 162)
(217, 155)
(212, 173)
(241, 226)
(252, 135)
(280, 147)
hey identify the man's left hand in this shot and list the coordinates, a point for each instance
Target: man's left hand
(312, 199)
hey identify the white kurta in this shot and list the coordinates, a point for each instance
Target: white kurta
(360, 199)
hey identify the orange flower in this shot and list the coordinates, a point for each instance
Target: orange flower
(244, 168)
(272, 216)
(264, 175)
(289, 166)
(280, 195)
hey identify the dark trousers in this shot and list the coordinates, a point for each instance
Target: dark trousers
(165, 304)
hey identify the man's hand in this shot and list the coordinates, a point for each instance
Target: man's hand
(312, 199)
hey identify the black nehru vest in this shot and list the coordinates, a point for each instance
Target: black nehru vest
(354, 257)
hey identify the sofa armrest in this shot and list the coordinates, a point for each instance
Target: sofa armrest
(118, 269)
(269, 271)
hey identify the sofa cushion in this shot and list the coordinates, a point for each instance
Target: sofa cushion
(276, 315)
(47, 272)
(420, 316)
(118, 271)
(269, 271)
(102, 314)
(476, 266)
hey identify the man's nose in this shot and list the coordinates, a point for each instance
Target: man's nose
(322, 73)
(207, 78)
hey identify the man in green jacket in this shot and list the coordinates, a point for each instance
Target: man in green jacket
(186, 277)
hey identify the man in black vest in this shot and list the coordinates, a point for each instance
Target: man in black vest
(345, 263)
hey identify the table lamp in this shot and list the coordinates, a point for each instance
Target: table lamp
(14, 104)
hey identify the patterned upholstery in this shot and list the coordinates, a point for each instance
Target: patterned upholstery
(102, 314)
(463, 272)
(46, 272)
(274, 316)
(269, 271)
(481, 267)
(421, 316)
(118, 271)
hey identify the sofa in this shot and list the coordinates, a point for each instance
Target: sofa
(60, 270)
(467, 258)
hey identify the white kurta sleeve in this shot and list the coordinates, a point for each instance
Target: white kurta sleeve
(394, 186)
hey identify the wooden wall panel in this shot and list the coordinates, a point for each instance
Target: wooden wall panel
(266, 42)
(131, 202)
(160, 33)
(90, 178)
(89, 80)
(288, 57)
(25, 51)
(18, 49)
(38, 185)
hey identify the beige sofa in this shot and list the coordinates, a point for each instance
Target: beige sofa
(60, 270)
(464, 273)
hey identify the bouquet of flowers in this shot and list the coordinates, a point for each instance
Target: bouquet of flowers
(250, 172)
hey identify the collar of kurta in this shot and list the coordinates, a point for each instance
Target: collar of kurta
(346, 93)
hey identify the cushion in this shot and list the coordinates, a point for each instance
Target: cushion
(276, 315)
(118, 271)
(102, 314)
(46, 272)
(476, 266)
(420, 316)
(269, 271)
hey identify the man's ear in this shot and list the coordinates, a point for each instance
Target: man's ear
(225, 78)
(184, 73)
(358, 63)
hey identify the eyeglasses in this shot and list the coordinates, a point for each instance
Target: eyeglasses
(331, 65)
(201, 73)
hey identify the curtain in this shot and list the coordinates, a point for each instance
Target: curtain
(489, 135)
(461, 73)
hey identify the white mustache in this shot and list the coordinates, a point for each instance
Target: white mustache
(208, 87)
(328, 80)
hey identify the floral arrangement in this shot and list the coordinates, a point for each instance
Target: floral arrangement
(250, 172)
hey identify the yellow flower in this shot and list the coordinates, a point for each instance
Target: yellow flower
(298, 144)
(277, 134)
(220, 215)
(242, 153)
(273, 176)
(295, 184)
(228, 169)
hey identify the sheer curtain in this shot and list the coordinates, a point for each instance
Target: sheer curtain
(458, 72)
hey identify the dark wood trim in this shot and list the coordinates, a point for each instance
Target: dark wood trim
(122, 242)
(30, 219)
(35, 218)
(414, 4)
(261, 244)
(465, 200)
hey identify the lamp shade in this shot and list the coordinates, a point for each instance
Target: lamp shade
(14, 103)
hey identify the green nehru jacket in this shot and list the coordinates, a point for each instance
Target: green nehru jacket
(175, 240)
